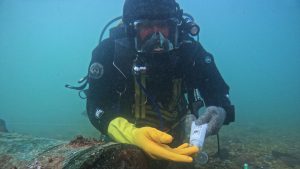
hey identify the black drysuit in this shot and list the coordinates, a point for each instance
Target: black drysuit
(112, 87)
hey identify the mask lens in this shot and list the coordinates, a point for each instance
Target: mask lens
(145, 29)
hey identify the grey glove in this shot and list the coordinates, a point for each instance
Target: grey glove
(215, 117)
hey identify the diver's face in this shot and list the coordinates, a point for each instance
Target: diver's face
(155, 36)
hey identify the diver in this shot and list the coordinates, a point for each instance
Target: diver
(148, 75)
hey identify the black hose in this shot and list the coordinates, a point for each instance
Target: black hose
(189, 16)
(107, 25)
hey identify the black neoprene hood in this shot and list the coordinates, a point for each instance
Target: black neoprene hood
(149, 9)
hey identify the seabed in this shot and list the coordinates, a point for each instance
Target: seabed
(259, 147)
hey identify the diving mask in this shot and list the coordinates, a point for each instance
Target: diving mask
(156, 36)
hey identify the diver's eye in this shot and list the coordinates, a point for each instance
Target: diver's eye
(147, 31)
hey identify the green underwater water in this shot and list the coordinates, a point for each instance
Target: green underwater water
(256, 44)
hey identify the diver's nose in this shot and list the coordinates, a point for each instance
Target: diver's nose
(155, 29)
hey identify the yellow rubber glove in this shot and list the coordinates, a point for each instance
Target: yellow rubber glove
(151, 140)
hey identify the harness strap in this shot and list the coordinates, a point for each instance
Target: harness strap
(140, 100)
(143, 98)
(139, 80)
(137, 104)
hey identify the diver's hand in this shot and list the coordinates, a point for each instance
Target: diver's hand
(152, 141)
(215, 117)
